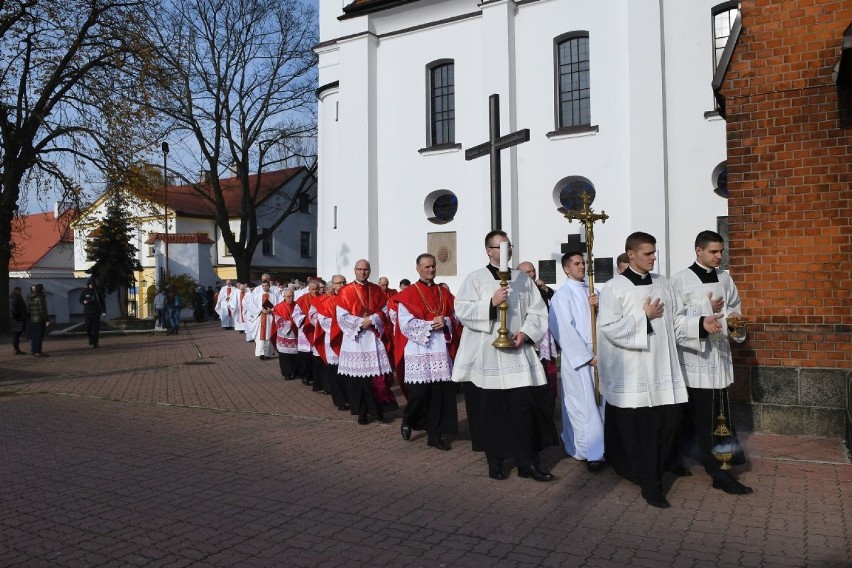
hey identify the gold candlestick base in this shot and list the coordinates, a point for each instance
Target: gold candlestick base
(503, 340)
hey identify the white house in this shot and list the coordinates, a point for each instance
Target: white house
(43, 253)
(616, 95)
(195, 244)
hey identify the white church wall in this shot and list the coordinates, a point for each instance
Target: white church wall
(696, 144)
(652, 142)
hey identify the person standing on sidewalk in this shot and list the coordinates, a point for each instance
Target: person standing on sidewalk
(708, 368)
(425, 333)
(640, 323)
(160, 308)
(39, 321)
(509, 409)
(17, 318)
(92, 310)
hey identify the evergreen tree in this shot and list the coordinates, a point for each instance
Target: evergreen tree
(114, 256)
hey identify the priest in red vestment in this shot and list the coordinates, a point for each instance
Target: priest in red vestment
(426, 328)
(363, 357)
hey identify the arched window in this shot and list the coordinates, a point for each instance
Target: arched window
(442, 103)
(724, 15)
(573, 104)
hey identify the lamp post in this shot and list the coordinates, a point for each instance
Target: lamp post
(165, 148)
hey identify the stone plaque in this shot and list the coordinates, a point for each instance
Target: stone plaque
(443, 247)
(603, 269)
(547, 271)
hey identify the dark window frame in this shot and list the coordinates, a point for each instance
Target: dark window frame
(563, 125)
(305, 244)
(724, 7)
(441, 123)
(267, 243)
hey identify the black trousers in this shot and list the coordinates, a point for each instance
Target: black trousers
(641, 442)
(318, 373)
(93, 327)
(361, 399)
(337, 385)
(432, 407)
(287, 364)
(304, 362)
(511, 423)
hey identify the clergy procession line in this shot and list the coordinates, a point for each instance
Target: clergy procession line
(664, 357)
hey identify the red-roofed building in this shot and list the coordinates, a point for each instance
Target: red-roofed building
(43, 252)
(195, 244)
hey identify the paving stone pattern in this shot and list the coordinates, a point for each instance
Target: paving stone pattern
(141, 453)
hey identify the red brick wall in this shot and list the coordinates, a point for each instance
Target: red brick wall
(790, 184)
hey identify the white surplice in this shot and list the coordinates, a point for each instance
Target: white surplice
(223, 305)
(362, 353)
(637, 368)
(582, 417)
(480, 362)
(708, 365)
(263, 345)
(426, 358)
(238, 308)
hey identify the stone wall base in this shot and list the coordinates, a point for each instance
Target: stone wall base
(793, 401)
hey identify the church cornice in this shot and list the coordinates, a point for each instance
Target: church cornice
(363, 7)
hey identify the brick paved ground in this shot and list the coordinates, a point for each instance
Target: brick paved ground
(141, 453)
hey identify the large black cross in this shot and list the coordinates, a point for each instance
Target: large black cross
(492, 148)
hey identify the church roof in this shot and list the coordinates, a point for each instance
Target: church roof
(179, 239)
(359, 7)
(188, 200)
(34, 236)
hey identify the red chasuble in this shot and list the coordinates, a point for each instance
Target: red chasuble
(284, 311)
(327, 307)
(363, 300)
(305, 303)
(425, 303)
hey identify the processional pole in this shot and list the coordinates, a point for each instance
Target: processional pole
(587, 218)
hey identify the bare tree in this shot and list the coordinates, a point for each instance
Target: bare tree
(69, 88)
(241, 84)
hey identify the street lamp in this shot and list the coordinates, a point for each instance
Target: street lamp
(165, 148)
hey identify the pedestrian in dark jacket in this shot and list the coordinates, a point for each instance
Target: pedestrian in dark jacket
(38, 318)
(92, 310)
(18, 317)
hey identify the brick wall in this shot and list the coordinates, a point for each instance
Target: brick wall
(790, 214)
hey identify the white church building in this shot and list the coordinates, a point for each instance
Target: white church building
(616, 95)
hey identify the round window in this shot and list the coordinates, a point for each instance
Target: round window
(441, 206)
(568, 193)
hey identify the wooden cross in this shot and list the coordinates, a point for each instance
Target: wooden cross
(492, 148)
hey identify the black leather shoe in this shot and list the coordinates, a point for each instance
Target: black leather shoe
(681, 471)
(731, 486)
(362, 420)
(405, 431)
(439, 443)
(342, 407)
(497, 474)
(535, 473)
(655, 500)
(595, 466)
(380, 418)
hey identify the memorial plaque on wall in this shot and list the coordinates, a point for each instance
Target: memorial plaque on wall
(572, 242)
(603, 269)
(443, 247)
(547, 271)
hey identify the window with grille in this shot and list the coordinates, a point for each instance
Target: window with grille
(442, 103)
(572, 80)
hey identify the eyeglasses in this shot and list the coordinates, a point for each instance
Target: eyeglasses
(510, 246)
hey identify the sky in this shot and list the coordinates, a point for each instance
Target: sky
(33, 203)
